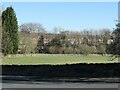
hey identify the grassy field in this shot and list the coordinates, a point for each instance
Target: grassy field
(55, 59)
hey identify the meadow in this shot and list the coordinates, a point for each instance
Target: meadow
(55, 59)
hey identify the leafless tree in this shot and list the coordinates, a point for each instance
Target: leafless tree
(32, 27)
(28, 35)
(58, 30)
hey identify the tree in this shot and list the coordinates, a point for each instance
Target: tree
(106, 36)
(9, 32)
(114, 47)
(56, 41)
(85, 41)
(85, 49)
(0, 27)
(28, 37)
(7, 45)
(53, 49)
(32, 27)
(101, 48)
(57, 30)
(57, 44)
(40, 44)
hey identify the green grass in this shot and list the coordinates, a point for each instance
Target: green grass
(55, 59)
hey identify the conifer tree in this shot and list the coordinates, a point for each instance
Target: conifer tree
(9, 32)
(114, 47)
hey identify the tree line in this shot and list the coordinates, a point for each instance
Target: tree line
(33, 38)
(62, 41)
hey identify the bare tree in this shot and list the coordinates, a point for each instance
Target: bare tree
(58, 30)
(29, 35)
(32, 27)
(105, 35)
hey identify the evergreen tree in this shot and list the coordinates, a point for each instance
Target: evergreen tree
(114, 47)
(9, 32)
(40, 44)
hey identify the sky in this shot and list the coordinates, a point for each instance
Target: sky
(68, 15)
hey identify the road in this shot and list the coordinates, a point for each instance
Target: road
(59, 85)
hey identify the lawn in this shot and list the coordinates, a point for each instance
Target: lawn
(54, 59)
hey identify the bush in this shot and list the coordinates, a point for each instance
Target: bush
(85, 49)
